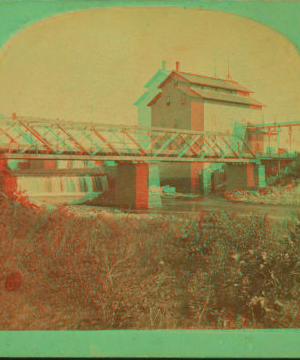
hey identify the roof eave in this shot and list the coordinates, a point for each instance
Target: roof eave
(232, 83)
(190, 90)
(156, 97)
(223, 87)
(141, 98)
(154, 77)
(234, 102)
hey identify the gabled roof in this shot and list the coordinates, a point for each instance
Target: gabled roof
(219, 96)
(154, 99)
(195, 92)
(191, 84)
(206, 81)
(152, 86)
(158, 78)
(147, 96)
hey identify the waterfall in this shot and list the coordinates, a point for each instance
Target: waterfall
(89, 183)
(62, 185)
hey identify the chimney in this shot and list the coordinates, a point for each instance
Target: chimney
(164, 65)
(14, 116)
(177, 66)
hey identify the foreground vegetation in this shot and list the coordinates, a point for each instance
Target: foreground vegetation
(125, 271)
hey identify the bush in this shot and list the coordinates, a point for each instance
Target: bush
(118, 271)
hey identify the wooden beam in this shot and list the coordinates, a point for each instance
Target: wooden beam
(127, 158)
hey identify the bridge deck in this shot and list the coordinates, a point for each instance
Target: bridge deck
(31, 138)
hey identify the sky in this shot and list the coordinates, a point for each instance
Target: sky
(92, 65)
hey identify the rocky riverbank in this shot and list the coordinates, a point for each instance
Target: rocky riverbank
(275, 195)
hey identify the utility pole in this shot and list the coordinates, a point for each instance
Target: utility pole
(228, 75)
(215, 68)
(278, 137)
(290, 133)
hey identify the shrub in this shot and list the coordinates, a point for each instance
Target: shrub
(124, 271)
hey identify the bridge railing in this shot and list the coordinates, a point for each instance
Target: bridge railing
(41, 136)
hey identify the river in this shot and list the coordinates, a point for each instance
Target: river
(212, 203)
(195, 205)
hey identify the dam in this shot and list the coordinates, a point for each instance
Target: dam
(58, 181)
(61, 185)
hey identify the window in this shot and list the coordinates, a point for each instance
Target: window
(183, 99)
(162, 123)
(176, 124)
(168, 101)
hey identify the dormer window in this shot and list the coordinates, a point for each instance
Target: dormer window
(168, 101)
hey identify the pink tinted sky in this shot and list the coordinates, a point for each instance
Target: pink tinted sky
(93, 64)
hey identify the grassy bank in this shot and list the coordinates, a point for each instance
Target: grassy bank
(60, 270)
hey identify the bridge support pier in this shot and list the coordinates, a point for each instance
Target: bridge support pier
(137, 186)
(245, 177)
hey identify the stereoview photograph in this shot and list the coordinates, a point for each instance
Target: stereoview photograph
(150, 170)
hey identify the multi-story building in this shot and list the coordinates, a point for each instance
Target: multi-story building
(176, 99)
